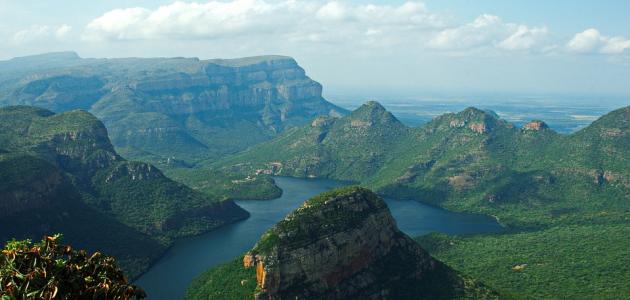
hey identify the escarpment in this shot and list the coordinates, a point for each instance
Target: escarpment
(344, 244)
(172, 108)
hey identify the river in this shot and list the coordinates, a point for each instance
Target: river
(171, 275)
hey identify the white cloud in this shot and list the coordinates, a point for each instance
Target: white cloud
(332, 11)
(295, 20)
(63, 31)
(340, 23)
(524, 38)
(41, 32)
(490, 31)
(591, 41)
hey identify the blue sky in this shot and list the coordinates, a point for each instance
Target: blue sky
(535, 46)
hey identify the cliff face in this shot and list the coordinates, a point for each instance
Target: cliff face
(535, 125)
(345, 245)
(182, 108)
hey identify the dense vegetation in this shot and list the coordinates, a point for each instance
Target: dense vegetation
(546, 188)
(229, 281)
(563, 262)
(227, 183)
(469, 161)
(60, 173)
(308, 221)
(333, 225)
(48, 270)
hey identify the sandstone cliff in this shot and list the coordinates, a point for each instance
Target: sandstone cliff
(182, 108)
(345, 244)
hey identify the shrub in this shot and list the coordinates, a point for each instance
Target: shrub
(48, 270)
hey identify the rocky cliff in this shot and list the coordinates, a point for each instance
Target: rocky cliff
(344, 244)
(182, 108)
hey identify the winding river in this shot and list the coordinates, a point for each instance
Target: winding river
(171, 275)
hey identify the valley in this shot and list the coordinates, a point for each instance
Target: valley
(341, 244)
(143, 158)
(60, 173)
(562, 191)
(190, 257)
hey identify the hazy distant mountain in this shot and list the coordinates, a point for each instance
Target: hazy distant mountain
(343, 244)
(60, 173)
(171, 110)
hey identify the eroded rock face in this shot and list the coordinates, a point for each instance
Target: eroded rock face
(178, 106)
(478, 127)
(535, 126)
(345, 245)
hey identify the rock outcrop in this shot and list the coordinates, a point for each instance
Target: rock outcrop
(535, 125)
(345, 244)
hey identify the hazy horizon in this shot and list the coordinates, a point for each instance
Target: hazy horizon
(518, 47)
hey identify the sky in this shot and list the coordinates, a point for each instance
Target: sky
(520, 46)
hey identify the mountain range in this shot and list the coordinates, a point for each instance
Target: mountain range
(563, 199)
(171, 111)
(470, 161)
(223, 127)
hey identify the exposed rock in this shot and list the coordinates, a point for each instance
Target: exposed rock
(360, 124)
(460, 181)
(520, 267)
(320, 122)
(457, 124)
(478, 127)
(173, 106)
(535, 125)
(133, 171)
(346, 245)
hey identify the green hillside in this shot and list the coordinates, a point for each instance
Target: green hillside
(553, 192)
(60, 173)
(467, 161)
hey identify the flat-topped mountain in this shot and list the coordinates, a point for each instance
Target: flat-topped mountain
(171, 109)
(343, 244)
(60, 173)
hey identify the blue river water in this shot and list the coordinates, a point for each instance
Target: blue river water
(171, 275)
